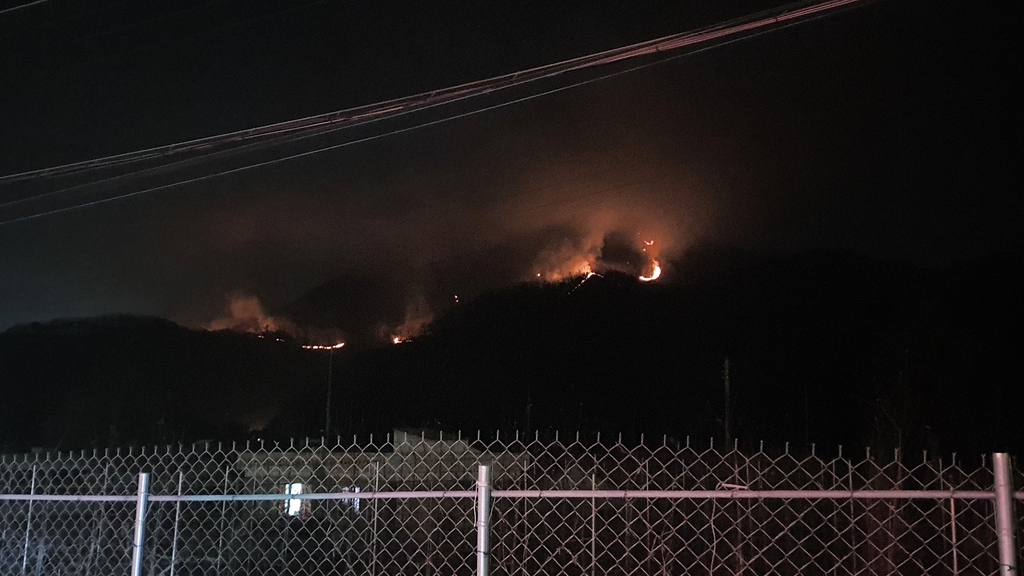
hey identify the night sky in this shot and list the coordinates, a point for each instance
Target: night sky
(891, 130)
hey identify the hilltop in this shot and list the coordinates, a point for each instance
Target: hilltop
(823, 347)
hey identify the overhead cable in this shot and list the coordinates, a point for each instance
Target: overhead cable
(805, 14)
(374, 112)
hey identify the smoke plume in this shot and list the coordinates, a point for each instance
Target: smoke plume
(244, 313)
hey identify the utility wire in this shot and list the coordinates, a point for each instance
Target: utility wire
(20, 6)
(154, 170)
(319, 150)
(49, 23)
(372, 112)
(815, 11)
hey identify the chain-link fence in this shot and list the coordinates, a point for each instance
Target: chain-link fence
(414, 504)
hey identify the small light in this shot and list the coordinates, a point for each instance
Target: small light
(294, 506)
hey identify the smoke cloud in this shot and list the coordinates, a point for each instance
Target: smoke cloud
(418, 316)
(244, 313)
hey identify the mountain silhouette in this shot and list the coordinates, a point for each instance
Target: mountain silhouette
(823, 347)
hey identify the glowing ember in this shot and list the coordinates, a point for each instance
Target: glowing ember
(655, 272)
(397, 339)
(589, 275)
(325, 347)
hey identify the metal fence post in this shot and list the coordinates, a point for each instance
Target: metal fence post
(177, 519)
(28, 523)
(373, 546)
(483, 521)
(140, 523)
(1005, 524)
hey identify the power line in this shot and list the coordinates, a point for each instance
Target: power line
(154, 170)
(19, 7)
(28, 27)
(373, 112)
(316, 150)
(789, 19)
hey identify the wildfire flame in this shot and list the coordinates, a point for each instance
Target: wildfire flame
(418, 317)
(655, 272)
(324, 347)
(571, 262)
(589, 275)
(579, 265)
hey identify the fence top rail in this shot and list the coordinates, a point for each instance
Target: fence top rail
(515, 441)
(536, 494)
(421, 460)
(395, 495)
(756, 494)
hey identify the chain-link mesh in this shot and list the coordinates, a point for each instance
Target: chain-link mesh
(822, 530)
(406, 505)
(394, 536)
(729, 536)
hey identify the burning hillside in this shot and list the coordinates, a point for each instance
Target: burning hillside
(398, 306)
(617, 251)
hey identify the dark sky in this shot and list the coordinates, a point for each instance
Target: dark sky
(892, 130)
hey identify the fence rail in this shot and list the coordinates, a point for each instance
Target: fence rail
(420, 503)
